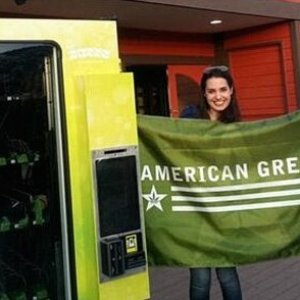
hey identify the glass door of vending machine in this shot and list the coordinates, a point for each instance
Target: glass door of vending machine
(33, 210)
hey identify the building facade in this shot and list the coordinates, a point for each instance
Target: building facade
(166, 44)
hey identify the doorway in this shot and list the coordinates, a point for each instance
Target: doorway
(150, 89)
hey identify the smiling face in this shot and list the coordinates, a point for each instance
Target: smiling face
(218, 95)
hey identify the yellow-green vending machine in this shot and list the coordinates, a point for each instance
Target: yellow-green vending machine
(71, 222)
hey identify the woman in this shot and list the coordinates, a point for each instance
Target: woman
(218, 104)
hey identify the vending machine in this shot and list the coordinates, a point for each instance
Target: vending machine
(71, 222)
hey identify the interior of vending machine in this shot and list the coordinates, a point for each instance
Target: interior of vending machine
(31, 250)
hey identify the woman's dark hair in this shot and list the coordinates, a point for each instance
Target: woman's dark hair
(231, 113)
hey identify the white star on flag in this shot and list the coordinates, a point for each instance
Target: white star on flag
(154, 199)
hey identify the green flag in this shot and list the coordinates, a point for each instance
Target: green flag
(220, 194)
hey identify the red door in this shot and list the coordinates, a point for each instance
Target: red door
(260, 81)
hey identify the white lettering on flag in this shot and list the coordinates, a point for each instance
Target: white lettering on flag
(265, 194)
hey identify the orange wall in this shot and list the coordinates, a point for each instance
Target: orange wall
(183, 86)
(135, 42)
(261, 63)
(260, 60)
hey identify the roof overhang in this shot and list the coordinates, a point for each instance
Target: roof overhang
(190, 16)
